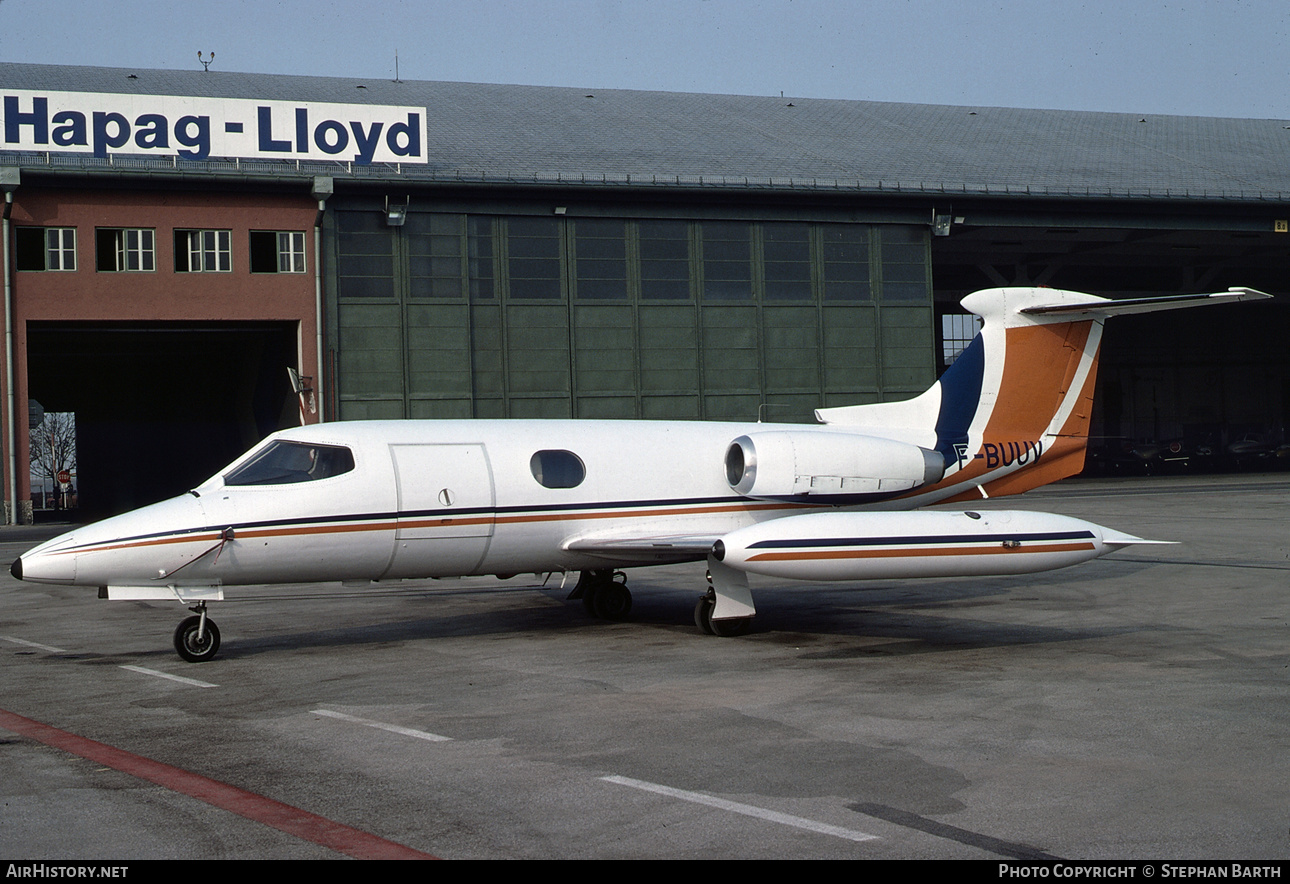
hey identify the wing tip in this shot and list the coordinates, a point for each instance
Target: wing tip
(1242, 293)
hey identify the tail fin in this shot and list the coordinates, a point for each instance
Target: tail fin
(1012, 412)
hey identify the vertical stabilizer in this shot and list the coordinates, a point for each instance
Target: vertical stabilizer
(1012, 413)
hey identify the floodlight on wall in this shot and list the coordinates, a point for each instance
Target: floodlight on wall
(395, 214)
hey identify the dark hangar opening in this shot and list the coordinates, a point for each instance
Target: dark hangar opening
(160, 407)
(1212, 385)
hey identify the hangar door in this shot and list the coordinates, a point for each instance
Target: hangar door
(160, 406)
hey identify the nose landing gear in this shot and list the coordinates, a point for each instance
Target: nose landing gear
(197, 638)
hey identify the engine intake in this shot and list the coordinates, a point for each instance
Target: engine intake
(841, 466)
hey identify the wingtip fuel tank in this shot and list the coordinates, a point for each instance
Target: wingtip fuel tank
(869, 545)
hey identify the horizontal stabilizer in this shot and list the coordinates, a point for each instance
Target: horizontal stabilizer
(1127, 306)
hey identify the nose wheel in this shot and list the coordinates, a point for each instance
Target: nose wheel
(197, 637)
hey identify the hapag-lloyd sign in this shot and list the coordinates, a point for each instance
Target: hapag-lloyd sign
(103, 124)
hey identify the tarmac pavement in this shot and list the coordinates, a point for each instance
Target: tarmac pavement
(1133, 707)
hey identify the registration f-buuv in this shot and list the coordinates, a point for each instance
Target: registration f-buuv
(835, 500)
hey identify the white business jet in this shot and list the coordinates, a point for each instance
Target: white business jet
(384, 500)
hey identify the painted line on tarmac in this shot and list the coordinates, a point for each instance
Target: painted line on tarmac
(156, 673)
(25, 643)
(381, 725)
(1257, 566)
(953, 833)
(760, 813)
(257, 808)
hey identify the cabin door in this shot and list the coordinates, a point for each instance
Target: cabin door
(445, 516)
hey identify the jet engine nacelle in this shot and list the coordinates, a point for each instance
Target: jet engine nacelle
(862, 546)
(778, 465)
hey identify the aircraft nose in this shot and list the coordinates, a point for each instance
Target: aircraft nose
(47, 563)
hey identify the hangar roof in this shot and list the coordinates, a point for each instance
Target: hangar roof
(546, 135)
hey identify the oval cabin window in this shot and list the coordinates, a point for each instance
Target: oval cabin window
(557, 469)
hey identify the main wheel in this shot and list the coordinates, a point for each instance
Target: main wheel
(727, 628)
(187, 644)
(585, 589)
(703, 613)
(612, 601)
(731, 626)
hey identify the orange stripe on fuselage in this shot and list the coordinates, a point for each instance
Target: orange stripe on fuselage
(436, 522)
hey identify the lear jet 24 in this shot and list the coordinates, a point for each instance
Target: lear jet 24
(383, 500)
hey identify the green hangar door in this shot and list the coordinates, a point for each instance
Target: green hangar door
(160, 407)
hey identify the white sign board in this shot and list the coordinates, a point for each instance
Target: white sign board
(103, 124)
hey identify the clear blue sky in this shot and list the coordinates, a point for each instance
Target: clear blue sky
(1203, 57)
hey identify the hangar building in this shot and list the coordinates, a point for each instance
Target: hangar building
(176, 240)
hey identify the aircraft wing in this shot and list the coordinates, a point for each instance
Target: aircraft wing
(656, 549)
(1149, 305)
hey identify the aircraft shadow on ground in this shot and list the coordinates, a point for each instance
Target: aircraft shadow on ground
(910, 617)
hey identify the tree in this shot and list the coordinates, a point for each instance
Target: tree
(53, 446)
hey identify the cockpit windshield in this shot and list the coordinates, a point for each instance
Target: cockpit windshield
(284, 462)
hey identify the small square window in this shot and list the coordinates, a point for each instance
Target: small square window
(45, 248)
(127, 249)
(277, 251)
(203, 251)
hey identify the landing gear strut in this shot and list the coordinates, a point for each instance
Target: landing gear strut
(604, 594)
(197, 638)
(724, 628)
(727, 596)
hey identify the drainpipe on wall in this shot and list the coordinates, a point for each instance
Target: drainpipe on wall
(323, 188)
(9, 179)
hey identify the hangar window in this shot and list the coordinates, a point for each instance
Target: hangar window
(556, 468)
(479, 257)
(534, 252)
(277, 251)
(434, 254)
(787, 252)
(365, 252)
(904, 263)
(601, 259)
(45, 248)
(846, 262)
(665, 260)
(285, 463)
(957, 331)
(727, 261)
(203, 251)
(125, 249)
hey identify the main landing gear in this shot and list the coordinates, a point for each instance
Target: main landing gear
(726, 609)
(724, 628)
(197, 638)
(604, 594)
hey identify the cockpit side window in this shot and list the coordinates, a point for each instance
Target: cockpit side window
(285, 463)
(554, 468)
